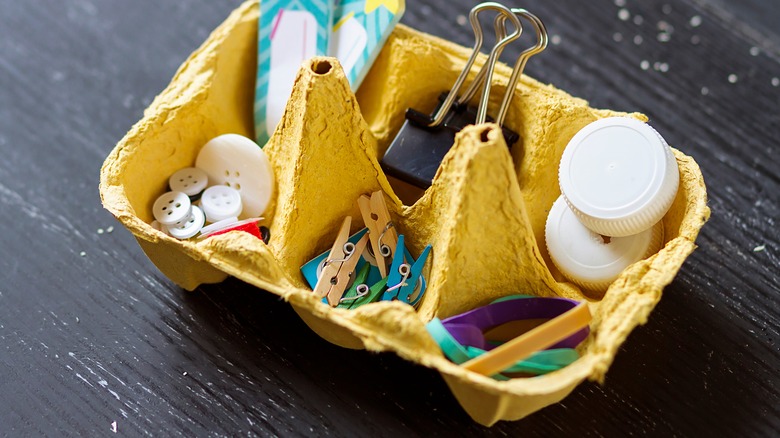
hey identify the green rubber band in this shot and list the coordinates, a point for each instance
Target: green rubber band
(541, 362)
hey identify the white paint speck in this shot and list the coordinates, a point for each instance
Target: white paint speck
(624, 15)
(695, 21)
(113, 427)
(462, 20)
(664, 37)
(100, 231)
(664, 26)
(705, 91)
(638, 40)
(695, 40)
(776, 82)
(733, 78)
(664, 67)
(620, 3)
(555, 39)
(638, 20)
(666, 9)
(83, 254)
(755, 51)
(617, 36)
(184, 373)
(644, 65)
(110, 229)
(759, 248)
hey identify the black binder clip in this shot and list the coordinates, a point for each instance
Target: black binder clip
(417, 151)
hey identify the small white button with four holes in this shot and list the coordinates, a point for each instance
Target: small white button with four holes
(189, 180)
(619, 176)
(190, 227)
(239, 163)
(172, 208)
(220, 202)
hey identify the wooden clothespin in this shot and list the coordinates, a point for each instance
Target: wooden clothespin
(381, 230)
(405, 274)
(340, 266)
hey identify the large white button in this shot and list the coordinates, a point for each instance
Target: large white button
(189, 180)
(586, 258)
(238, 162)
(619, 176)
(189, 227)
(171, 208)
(220, 202)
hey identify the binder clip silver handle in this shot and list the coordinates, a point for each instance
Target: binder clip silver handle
(487, 69)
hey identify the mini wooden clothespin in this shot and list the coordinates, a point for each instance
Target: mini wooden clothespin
(404, 276)
(381, 230)
(340, 266)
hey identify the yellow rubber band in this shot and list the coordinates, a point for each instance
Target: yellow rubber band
(539, 338)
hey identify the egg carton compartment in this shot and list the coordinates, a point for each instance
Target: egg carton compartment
(484, 215)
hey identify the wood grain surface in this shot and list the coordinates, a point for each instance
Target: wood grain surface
(92, 334)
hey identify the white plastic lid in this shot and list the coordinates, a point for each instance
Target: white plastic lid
(171, 208)
(220, 202)
(586, 258)
(189, 180)
(619, 176)
(239, 163)
(189, 227)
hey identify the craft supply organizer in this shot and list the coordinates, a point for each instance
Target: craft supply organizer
(484, 214)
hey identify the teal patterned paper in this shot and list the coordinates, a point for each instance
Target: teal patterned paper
(289, 32)
(361, 28)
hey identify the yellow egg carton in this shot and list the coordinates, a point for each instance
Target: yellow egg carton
(484, 214)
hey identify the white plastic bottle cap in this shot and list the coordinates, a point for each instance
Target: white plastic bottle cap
(220, 202)
(171, 208)
(619, 176)
(238, 162)
(189, 227)
(586, 258)
(189, 180)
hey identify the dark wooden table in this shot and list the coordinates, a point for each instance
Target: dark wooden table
(91, 333)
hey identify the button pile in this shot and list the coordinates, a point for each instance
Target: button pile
(232, 179)
(618, 178)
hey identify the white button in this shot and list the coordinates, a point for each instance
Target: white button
(189, 180)
(619, 176)
(190, 227)
(586, 258)
(220, 202)
(239, 163)
(171, 208)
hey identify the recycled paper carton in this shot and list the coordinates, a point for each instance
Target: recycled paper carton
(484, 214)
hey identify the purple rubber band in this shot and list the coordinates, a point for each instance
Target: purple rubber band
(468, 328)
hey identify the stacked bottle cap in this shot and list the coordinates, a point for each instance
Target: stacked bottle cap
(618, 178)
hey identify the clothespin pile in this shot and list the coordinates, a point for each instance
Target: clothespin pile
(371, 265)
